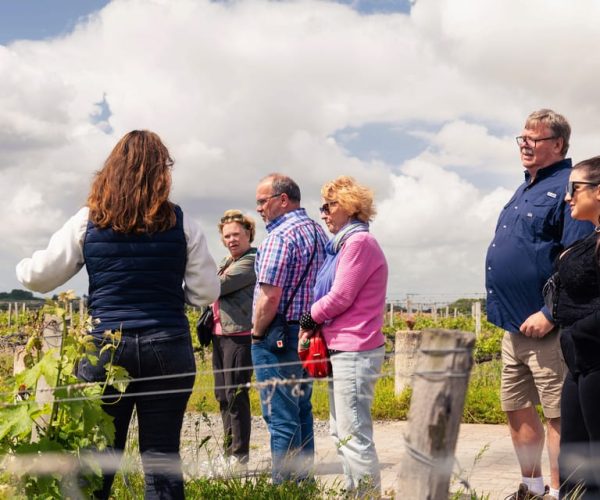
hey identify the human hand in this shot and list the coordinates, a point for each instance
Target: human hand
(304, 338)
(536, 326)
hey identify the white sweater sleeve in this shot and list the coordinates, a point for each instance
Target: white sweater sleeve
(60, 261)
(202, 284)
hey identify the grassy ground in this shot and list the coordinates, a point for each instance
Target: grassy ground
(482, 404)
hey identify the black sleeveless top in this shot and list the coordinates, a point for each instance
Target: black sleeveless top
(579, 292)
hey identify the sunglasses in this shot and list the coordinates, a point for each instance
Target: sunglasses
(232, 218)
(325, 208)
(572, 186)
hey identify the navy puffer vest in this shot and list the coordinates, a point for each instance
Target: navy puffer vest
(136, 279)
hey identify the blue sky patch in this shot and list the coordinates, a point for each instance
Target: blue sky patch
(392, 143)
(40, 19)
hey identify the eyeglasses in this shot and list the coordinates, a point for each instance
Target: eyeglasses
(261, 201)
(523, 140)
(325, 208)
(572, 186)
(232, 218)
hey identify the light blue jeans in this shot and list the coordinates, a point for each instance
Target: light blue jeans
(287, 410)
(350, 400)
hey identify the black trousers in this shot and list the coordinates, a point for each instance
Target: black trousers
(232, 362)
(579, 459)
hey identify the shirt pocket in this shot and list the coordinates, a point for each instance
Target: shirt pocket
(540, 212)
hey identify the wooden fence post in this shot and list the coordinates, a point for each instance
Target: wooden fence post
(391, 314)
(9, 313)
(81, 312)
(52, 339)
(405, 356)
(439, 388)
(478, 318)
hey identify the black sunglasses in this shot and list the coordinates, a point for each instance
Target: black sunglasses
(572, 186)
(325, 208)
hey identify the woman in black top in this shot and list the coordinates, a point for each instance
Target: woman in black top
(578, 315)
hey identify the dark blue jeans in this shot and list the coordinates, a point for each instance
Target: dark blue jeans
(287, 410)
(160, 404)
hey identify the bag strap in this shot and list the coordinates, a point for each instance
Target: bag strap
(289, 302)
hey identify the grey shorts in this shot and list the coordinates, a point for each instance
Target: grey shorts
(533, 371)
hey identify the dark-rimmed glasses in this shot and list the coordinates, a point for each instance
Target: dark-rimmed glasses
(523, 140)
(572, 186)
(261, 201)
(325, 208)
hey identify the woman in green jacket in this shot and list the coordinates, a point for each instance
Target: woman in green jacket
(232, 361)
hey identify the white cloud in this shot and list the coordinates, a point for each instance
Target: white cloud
(240, 89)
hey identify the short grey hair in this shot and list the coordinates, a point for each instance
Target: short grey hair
(556, 122)
(283, 184)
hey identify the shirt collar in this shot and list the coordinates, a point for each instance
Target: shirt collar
(548, 171)
(278, 221)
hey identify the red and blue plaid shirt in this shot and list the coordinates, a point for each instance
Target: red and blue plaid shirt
(283, 256)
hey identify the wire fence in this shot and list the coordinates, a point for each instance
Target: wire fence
(69, 466)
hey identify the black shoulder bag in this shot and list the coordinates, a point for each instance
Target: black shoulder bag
(206, 321)
(276, 335)
(550, 292)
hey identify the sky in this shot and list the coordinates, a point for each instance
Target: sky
(419, 100)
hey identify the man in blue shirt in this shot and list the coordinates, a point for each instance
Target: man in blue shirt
(532, 230)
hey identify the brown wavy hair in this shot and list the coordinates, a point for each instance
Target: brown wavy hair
(131, 192)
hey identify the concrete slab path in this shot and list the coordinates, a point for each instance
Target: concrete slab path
(485, 457)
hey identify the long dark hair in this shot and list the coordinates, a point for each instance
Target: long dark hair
(131, 192)
(591, 171)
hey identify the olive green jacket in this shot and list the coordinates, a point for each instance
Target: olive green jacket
(237, 290)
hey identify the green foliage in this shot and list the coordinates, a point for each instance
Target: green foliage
(482, 404)
(463, 306)
(73, 420)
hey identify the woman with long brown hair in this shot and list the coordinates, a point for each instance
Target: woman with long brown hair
(144, 260)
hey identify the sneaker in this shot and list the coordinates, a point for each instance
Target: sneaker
(547, 495)
(523, 493)
(226, 466)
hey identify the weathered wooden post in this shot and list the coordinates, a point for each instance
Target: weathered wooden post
(81, 312)
(405, 357)
(434, 311)
(391, 314)
(439, 388)
(447, 312)
(455, 313)
(52, 339)
(9, 313)
(477, 318)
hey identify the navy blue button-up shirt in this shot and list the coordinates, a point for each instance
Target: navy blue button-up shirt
(533, 228)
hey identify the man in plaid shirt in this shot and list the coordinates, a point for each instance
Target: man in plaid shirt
(281, 261)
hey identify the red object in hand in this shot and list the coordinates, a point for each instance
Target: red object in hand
(315, 359)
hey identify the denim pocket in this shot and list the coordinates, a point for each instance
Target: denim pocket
(174, 354)
(88, 372)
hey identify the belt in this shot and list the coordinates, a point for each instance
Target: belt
(295, 322)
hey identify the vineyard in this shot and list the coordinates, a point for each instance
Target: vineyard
(71, 420)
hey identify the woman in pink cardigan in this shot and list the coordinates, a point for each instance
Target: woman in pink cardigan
(349, 307)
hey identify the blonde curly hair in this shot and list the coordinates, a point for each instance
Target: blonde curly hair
(354, 198)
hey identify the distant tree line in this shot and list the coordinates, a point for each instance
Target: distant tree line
(19, 295)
